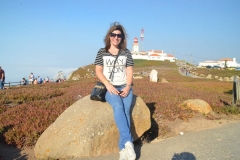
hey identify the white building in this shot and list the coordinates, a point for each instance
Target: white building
(221, 63)
(151, 55)
(160, 56)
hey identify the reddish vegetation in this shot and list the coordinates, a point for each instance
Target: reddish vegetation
(25, 112)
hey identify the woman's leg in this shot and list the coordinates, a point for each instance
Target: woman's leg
(127, 102)
(120, 117)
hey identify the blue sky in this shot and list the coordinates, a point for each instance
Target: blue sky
(48, 36)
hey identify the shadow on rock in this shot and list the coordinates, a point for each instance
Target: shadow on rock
(150, 134)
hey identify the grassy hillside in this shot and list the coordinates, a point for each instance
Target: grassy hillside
(83, 71)
(157, 64)
(139, 65)
(161, 66)
(26, 111)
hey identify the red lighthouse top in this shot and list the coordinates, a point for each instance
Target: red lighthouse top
(135, 40)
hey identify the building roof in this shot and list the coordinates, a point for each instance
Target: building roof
(226, 59)
(156, 51)
(170, 55)
(154, 54)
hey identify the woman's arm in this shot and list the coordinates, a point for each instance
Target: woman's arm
(129, 73)
(99, 74)
(129, 76)
(3, 74)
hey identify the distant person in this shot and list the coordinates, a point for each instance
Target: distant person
(39, 80)
(24, 81)
(119, 86)
(58, 80)
(46, 80)
(2, 78)
(35, 81)
(31, 78)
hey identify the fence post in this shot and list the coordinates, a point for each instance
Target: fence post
(238, 89)
(234, 98)
(20, 83)
(9, 84)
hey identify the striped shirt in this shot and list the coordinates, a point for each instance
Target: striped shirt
(106, 60)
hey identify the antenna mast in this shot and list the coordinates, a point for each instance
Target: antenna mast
(142, 39)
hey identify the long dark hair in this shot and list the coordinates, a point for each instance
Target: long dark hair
(116, 26)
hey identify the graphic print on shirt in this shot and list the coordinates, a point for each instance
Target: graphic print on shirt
(119, 72)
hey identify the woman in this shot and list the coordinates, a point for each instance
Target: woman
(24, 81)
(119, 87)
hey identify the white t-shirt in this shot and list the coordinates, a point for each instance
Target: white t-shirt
(31, 77)
(106, 59)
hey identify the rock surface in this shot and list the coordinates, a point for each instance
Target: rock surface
(198, 105)
(163, 80)
(226, 78)
(76, 77)
(209, 76)
(137, 77)
(87, 129)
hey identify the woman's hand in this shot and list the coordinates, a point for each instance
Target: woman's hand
(111, 89)
(125, 91)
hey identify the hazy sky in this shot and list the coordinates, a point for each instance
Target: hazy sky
(48, 36)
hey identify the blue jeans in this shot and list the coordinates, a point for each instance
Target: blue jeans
(1, 84)
(122, 115)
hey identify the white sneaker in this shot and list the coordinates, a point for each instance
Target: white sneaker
(129, 147)
(123, 155)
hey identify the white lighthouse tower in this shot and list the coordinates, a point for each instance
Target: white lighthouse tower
(135, 46)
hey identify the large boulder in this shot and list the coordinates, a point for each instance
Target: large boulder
(87, 129)
(197, 105)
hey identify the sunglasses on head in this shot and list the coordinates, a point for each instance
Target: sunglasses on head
(114, 35)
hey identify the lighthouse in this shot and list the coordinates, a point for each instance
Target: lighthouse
(135, 46)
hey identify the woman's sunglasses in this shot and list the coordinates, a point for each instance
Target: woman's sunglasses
(114, 35)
